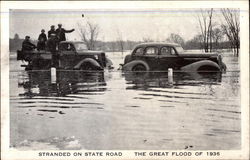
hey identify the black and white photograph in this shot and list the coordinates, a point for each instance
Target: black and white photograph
(162, 79)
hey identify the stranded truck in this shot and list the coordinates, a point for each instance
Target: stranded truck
(72, 55)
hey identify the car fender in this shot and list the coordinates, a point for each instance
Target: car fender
(108, 62)
(88, 60)
(196, 65)
(130, 65)
(127, 59)
(223, 67)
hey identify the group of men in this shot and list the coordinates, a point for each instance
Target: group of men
(51, 43)
(54, 37)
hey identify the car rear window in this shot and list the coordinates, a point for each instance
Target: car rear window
(151, 51)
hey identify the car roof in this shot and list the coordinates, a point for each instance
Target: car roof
(157, 44)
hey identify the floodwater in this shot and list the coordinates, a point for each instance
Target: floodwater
(127, 111)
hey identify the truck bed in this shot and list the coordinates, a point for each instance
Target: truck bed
(23, 55)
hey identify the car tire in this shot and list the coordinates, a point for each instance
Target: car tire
(224, 67)
(200, 66)
(87, 67)
(139, 67)
(136, 65)
(207, 68)
(88, 64)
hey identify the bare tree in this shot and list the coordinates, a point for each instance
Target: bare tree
(198, 38)
(229, 36)
(130, 44)
(89, 34)
(232, 28)
(147, 39)
(120, 41)
(205, 23)
(194, 43)
(217, 35)
(175, 38)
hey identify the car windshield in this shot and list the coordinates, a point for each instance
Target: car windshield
(179, 49)
(81, 46)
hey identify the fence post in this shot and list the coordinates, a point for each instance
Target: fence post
(53, 74)
(170, 76)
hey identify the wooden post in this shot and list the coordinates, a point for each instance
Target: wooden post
(53, 74)
(170, 76)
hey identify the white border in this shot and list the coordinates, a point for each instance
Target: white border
(126, 5)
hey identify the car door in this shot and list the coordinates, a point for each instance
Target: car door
(150, 55)
(168, 58)
(67, 55)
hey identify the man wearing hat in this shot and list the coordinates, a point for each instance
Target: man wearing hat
(41, 41)
(51, 31)
(27, 45)
(60, 32)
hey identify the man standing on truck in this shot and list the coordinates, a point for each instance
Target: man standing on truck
(41, 41)
(51, 46)
(60, 32)
(27, 45)
(51, 31)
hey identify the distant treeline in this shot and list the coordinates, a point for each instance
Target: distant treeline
(114, 46)
(197, 45)
(129, 45)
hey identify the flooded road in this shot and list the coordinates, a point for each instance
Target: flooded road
(115, 110)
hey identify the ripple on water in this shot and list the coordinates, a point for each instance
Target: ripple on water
(52, 143)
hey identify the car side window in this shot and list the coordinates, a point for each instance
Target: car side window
(138, 51)
(167, 51)
(67, 47)
(151, 51)
(70, 47)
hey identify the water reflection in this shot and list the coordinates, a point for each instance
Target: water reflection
(160, 79)
(38, 83)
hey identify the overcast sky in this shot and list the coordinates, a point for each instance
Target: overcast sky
(133, 25)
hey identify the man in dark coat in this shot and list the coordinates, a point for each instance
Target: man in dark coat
(52, 43)
(51, 31)
(52, 47)
(27, 45)
(60, 32)
(41, 41)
